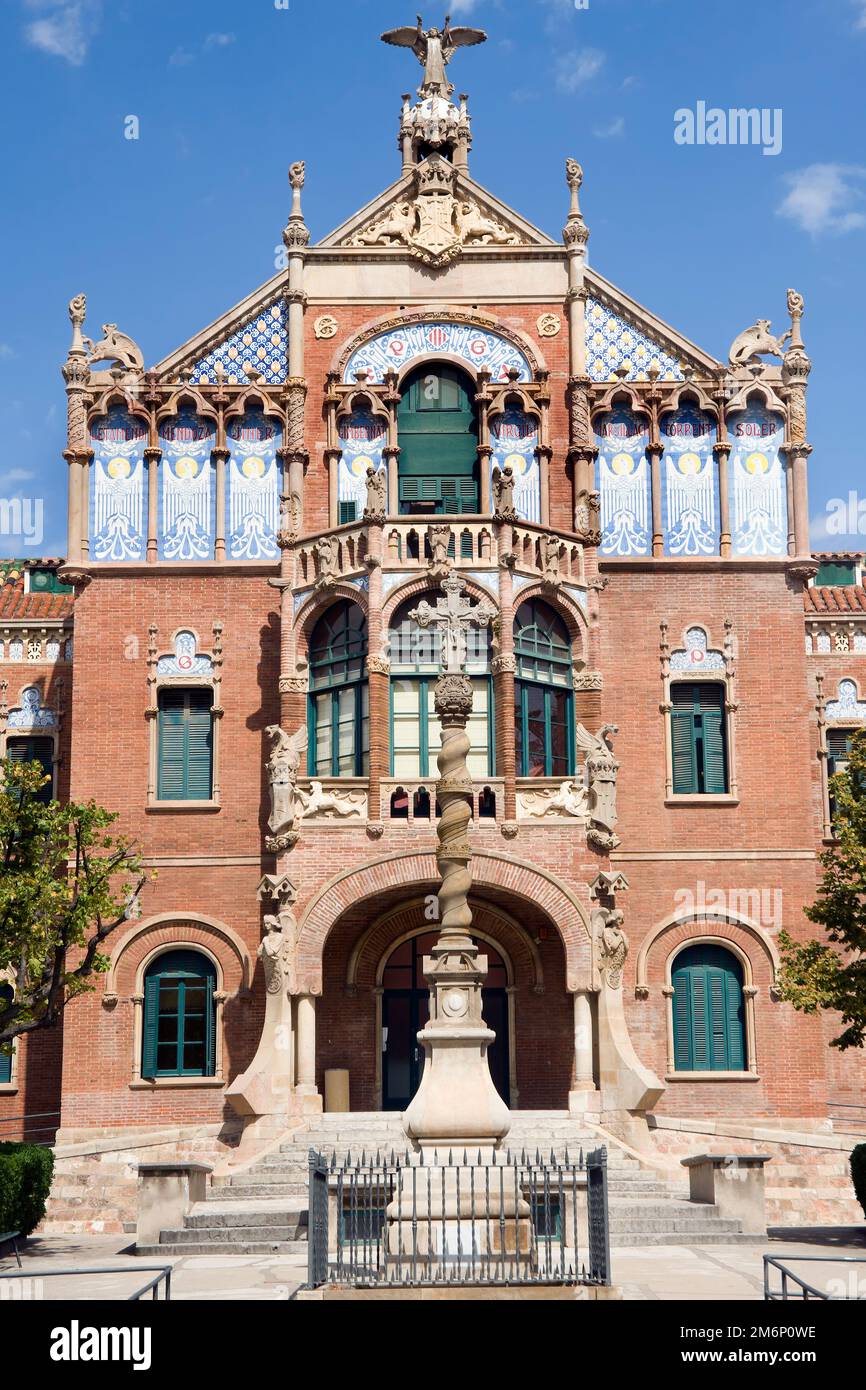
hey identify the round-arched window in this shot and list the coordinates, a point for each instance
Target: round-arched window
(708, 1010)
(543, 695)
(179, 1015)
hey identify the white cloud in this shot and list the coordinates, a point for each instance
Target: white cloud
(219, 40)
(825, 198)
(64, 30)
(6, 351)
(860, 21)
(18, 475)
(612, 130)
(576, 67)
(180, 58)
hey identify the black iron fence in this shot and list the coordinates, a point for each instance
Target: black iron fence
(844, 1279)
(446, 1218)
(27, 1285)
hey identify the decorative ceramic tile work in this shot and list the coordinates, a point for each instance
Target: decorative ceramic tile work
(31, 715)
(117, 507)
(186, 660)
(613, 343)
(262, 343)
(187, 491)
(690, 487)
(696, 655)
(759, 517)
(475, 346)
(363, 437)
(623, 481)
(253, 487)
(514, 437)
(848, 706)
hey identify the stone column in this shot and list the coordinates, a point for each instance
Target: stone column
(795, 376)
(306, 1032)
(378, 672)
(504, 670)
(78, 454)
(456, 1103)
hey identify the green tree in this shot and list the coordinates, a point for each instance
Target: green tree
(831, 974)
(66, 883)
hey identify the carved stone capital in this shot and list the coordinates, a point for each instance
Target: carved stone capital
(294, 685)
(504, 664)
(588, 680)
(378, 666)
(453, 697)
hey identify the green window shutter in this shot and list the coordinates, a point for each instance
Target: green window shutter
(210, 1024)
(715, 761)
(734, 1023)
(34, 750)
(151, 1023)
(5, 1057)
(348, 512)
(683, 1052)
(185, 752)
(199, 746)
(698, 750)
(708, 1011)
(683, 752)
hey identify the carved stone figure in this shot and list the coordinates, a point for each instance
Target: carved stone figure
(602, 767)
(611, 944)
(377, 493)
(474, 226)
(434, 51)
(327, 554)
(454, 615)
(550, 548)
(439, 539)
(756, 341)
(115, 347)
(297, 174)
(395, 228)
(278, 953)
(283, 765)
(503, 493)
(569, 799)
(573, 173)
(331, 804)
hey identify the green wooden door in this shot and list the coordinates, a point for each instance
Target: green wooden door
(709, 1015)
(437, 433)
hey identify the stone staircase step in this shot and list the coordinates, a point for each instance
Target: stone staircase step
(290, 1250)
(230, 1236)
(629, 1239)
(210, 1216)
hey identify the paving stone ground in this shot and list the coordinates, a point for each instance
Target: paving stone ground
(660, 1272)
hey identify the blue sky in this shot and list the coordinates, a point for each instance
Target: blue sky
(166, 232)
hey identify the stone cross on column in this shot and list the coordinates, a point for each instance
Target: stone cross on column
(454, 615)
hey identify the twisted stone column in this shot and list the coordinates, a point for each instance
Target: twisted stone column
(456, 1103)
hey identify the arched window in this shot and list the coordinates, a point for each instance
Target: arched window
(416, 734)
(709, 1014)
(438, 436)
(339, 743)
(6, 993)
(543, 693)
(179, 1015)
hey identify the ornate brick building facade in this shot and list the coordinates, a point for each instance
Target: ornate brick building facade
(438, 387)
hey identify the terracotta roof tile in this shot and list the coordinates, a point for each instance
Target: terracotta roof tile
(837, 598)
(15, 604)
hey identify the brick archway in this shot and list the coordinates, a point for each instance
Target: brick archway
(497, 876)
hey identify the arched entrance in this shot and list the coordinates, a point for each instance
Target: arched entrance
(406, 1009)
(437, 431)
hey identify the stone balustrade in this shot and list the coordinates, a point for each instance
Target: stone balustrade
(415, 801)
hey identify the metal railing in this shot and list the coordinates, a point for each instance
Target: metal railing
(443, 1219)
(28, 1131)
(161, 1279)
(856, 1113)
(791, 1287)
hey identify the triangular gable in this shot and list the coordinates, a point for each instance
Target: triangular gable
(404, 190)
(200, 354)
(622, 333)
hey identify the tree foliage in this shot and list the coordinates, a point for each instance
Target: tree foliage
(66, 883)
(831, 974)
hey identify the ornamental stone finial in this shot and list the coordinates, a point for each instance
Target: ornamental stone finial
(434, 50)
(77, 315)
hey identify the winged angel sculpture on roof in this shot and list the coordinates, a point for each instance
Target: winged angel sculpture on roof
(434, 49)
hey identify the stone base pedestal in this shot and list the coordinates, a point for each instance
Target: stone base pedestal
(454, 1215)
(585, 1102)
